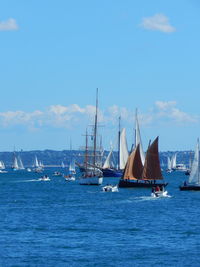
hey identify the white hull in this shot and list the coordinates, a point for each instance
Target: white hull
(94, 180)
(68, 179)
(44, 179)
(110, 188)
(160, 194)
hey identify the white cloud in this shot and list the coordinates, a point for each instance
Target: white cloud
(158, 22)
(58, 116)
(9, 25)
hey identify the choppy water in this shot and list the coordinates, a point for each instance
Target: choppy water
(59, 223)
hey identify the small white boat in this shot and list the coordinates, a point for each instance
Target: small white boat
(69, 178)
(110, 188)
(44, 178)
(28, 169)
(159, 193)
(2, 171)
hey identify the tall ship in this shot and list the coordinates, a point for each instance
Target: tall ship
(144, 176)
(92, 175)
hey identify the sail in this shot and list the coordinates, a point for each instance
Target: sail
(107, 164)
(173, 161)
(20, 164)
(194, 174)
(138, 139)
(72, 166)
(152, 170)
(36, 164)
(62, 164)
(15, 163)
(123, 155)
(2, 165)
(169, 164)
(134, 166)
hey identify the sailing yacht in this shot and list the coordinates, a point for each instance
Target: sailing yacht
(123, 154)
(37, 165)
(92, 175)
(137, 175)
(15, 165)
(194, 178)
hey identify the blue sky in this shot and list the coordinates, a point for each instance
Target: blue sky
(140, 54)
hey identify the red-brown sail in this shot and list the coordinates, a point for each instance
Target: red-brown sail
(134, 167)
(152, 170)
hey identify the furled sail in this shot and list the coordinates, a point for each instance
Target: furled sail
(152, 170)
(138, 139)
(134, 166)
(123, 150)
(194, 174)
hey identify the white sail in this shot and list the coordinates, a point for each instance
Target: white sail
(20, 164)
(169, 163)
(15, 164)
(36, 163)
(194, 174)
(107, 163)
(173, 161)
(2, 165)
(138, 139)
(62, 164)
(72, 166)
(123, 155)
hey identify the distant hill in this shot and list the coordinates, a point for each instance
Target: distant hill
(52, 157)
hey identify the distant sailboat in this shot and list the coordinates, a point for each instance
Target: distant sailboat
(15, 165)
(137, 175)
(20, 163)
(94, 175)
(37, 166)
(194, 178)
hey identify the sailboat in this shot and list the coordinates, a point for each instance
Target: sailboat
(92, 175)
(194, 178)
(123, 154)
(37, 165)
(15, 165)
(2, 167)
(137, 175)
(20, 163)
(169, 165)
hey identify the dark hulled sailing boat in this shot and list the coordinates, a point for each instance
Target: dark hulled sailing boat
(137, 175)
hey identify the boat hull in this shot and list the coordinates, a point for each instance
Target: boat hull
(94, 180)
(111, 173)
(139, 184)
(190, 188)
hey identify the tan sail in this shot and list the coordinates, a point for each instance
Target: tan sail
(134, 167)
(152, 170)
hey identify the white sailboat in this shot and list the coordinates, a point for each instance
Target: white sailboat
(194, 178)
(36, 165)
(2, 167)
(15, 165)
(92, 176)
(20, 163)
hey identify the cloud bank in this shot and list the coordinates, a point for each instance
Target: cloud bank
(158, 22)
(9, 25)
(59, 116)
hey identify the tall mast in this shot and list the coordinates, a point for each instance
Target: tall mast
(95, 129)
(119, 132)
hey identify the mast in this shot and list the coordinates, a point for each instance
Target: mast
(95, 129)
(119, 132)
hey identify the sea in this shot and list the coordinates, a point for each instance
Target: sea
(58, 223)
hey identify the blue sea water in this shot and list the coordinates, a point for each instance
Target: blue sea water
(59, 223)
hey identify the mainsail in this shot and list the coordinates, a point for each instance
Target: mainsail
(152, 170)
(134, 166)
(173, 161)
(138, 139)
(123, 155)
(194, 174)
(107, 164)
(169, 163)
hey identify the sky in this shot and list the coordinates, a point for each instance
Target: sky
(139, 54)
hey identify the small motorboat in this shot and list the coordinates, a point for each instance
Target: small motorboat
(69, 178)
(110, 188)
(159, 192)
(44, 178)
